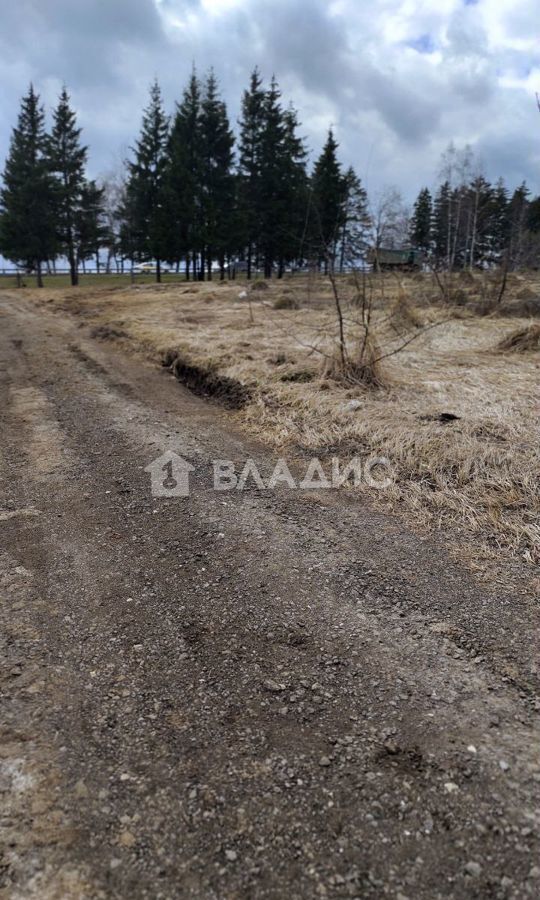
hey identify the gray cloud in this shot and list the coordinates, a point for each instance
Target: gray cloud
(397, 84)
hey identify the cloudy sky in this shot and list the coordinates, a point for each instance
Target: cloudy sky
(398, 79)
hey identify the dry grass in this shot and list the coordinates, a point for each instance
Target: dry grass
(522, 340)
(361, 366)
(477, 474)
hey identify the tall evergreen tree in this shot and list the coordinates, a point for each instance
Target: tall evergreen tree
(252, 126)
(90, 224)
(216, 177)
(273, 140)
(422, 221)
(518, 209)
(479, 209)
(356, 220)
(499, 221)
(292, 194)
(329, 190)
(27, 198)
(67, 160)
(182, 180)
(282, 184)
(533, 216)
(144, 209)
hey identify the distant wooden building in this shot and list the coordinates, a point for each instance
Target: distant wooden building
(387, 260)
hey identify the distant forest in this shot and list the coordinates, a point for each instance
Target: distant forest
(208, 203)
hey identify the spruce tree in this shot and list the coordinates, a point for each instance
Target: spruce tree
(422, 221)
(252, 124)
(273, 140)
(533, 216)
(27, 198)
(292, 194)
(479, 210)
(356, 220)
(67, 160)
(518, 209)
(216, 178)
(182, 180)
(499, 224)
(329, 191)
(91, 228)
(146, 172)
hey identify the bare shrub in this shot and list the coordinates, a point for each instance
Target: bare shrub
(364, 338)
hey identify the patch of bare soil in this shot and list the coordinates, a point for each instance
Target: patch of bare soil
(208, 383)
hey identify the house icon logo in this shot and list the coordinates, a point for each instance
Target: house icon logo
(169, 475)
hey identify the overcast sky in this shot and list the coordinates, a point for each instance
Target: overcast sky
(398, 79)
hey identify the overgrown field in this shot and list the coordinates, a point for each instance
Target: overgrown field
(456, 415)
(91, 280)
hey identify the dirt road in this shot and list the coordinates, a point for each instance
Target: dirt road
(258, 694)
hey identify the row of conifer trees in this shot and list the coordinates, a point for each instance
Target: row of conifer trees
(193, 196)
(197, 197)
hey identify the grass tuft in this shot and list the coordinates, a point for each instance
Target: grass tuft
(522, 340)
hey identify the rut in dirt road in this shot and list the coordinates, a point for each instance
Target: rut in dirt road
(236, 695)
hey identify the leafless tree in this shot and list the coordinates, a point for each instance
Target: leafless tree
(455, 169)
(389, 219)
(113, 183)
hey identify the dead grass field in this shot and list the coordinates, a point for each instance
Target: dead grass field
(477, 474)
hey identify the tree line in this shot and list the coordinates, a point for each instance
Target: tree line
(469, 222)
(196, 197)
(192, 195)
